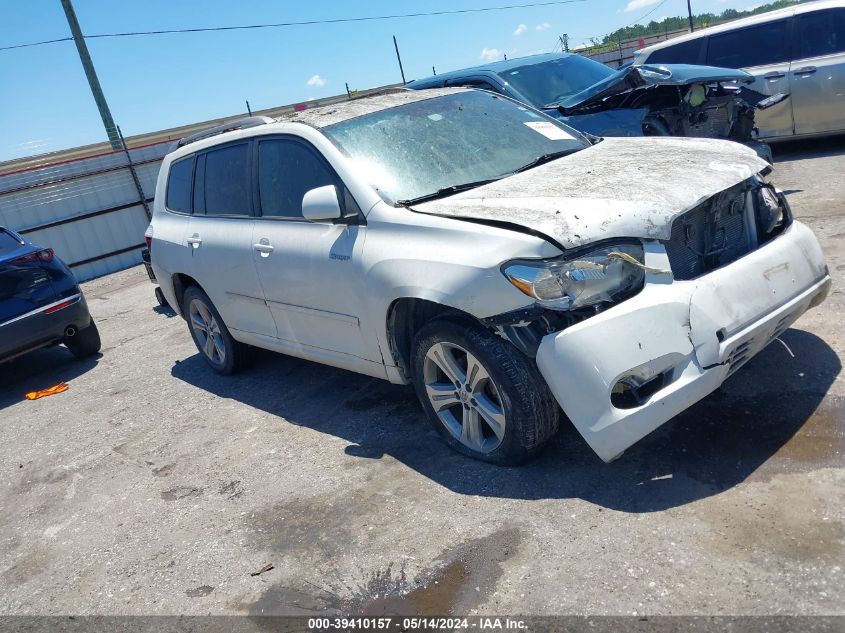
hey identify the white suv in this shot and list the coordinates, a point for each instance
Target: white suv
(499, 260)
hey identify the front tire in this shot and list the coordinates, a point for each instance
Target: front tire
(483, 396)
(223, 353)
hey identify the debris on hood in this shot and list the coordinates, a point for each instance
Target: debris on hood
(615, 189)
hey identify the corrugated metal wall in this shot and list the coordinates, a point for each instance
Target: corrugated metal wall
(88, 210)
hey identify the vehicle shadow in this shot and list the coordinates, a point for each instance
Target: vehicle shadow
(40, 369)
(711, 447)
(808, 148)
(165, 310)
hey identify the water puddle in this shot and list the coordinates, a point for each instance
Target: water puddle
(821, 439)
(461, 579)
(818, 443)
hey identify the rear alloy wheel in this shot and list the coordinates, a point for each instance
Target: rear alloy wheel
(483, 396)
(223, 353)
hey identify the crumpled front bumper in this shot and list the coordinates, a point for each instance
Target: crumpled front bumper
(692, 334)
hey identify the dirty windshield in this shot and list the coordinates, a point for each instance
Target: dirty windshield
(555, 80)
(417, 150)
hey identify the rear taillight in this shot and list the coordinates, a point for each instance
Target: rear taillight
(148, 237)
(60, 306)
(45, 255)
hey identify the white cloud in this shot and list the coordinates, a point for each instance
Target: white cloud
(490, 54)
(520, 29)
(634, 5)
(316, 80)
(544, 26)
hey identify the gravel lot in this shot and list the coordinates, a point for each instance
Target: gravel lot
(154, 486)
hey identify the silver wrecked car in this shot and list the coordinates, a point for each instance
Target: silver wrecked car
(497, 259)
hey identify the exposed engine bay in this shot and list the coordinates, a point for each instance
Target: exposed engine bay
(667, 101)
(715, 233)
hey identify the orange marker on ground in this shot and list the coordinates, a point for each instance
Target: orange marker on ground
(35, 395)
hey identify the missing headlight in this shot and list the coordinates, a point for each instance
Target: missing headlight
(773, 213)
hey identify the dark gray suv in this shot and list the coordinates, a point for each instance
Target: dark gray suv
(40, 302)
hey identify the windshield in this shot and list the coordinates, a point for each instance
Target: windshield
(421, 148)
(549, 82)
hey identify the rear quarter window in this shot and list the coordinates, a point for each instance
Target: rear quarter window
(179, 185)
(8, 243)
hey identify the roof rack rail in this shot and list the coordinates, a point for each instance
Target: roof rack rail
(237, 124)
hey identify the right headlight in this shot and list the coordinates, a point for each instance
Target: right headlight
(602, 275)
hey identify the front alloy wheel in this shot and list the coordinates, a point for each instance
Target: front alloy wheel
(484, 397)
(464, 397)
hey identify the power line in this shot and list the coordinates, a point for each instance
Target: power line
(61, 39)
(305, 22)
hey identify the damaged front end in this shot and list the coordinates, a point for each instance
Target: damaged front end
(671, 100)
(735, 272)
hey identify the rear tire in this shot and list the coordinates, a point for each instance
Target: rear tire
(492, 403)
(160, 298)
(223, 353)
(85, 342)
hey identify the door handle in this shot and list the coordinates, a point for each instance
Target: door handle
(195, 241)
(774, 75)
(264, 247)
(807, 70)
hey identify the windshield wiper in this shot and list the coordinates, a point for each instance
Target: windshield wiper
(545, 158)
(446, 191)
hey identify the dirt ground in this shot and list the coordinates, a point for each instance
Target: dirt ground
(154, 486)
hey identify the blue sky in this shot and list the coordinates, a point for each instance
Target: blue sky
(164, 81)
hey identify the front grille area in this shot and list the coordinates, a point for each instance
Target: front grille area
(712, 235)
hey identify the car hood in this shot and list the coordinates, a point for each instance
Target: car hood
(621, 187)
(643, 76)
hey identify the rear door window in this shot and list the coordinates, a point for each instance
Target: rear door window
(820, 33)
(759, 45)
(226, 184)
(287, 170)
(8, 243)
(179, 185)
(683, 53)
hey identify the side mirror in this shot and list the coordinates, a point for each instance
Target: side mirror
(321, 203)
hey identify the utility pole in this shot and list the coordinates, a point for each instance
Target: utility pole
(689, 13)
(433, 71)
(401, 70)
(91, 74)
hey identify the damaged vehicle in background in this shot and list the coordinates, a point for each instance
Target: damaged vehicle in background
(505, 264)
(656, 100)
(41, 303)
